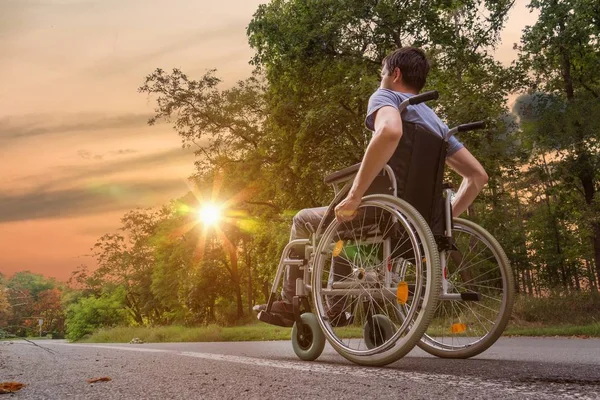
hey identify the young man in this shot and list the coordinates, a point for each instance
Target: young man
(404, 73)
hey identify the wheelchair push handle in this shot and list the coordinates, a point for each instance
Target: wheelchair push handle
(423, 97)
(464, 128)
(471, 127)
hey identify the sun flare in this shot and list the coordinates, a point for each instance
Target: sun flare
(209, 214)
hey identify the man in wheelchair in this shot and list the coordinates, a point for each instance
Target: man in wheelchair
(404, 73)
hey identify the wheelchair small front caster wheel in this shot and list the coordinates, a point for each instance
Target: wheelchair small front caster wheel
(308, 341)
(378, 331)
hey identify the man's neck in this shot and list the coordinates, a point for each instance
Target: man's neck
(399, 87)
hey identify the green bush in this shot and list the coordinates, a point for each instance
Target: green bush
(91, 313)
(226, 312)
(6, 335)
(57, 335)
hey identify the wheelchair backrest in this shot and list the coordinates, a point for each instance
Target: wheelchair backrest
(418, 164)
(418, 168)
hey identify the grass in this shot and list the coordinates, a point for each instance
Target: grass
(572, 315)
(211, 333)
(262, 332)
(36, 338)
(591, 330)
(573, 309)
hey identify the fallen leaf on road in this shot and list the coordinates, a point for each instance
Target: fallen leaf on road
(10, 387)
(103, 379)
(582, 336)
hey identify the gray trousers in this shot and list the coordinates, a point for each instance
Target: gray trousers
(340, 266)
(312, 216)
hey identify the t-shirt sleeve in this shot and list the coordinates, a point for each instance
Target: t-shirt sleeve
(380, 98)
(453, 146)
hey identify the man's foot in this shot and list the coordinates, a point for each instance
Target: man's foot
(283, 308)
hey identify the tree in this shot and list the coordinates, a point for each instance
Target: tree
(190, 274)
(223, 127)
(49, 307)
(5, 307)
(563, 50)
(33, 283)
(24, 290)
(126, 259)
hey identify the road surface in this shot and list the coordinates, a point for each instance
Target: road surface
(514, 368)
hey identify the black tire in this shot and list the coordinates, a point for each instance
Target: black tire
(310, 345)
(378, 331)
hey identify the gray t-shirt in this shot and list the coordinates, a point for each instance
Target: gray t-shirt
(419, 114)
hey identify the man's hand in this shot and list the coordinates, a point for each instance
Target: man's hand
(346, 210)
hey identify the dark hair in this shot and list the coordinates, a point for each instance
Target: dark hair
(413, 65)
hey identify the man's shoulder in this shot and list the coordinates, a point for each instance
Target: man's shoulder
(385, 93)
(384, 96)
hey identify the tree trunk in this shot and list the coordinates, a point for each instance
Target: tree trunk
(555, 231)
(565, 64)
(591, 275)
(526, 268)
(249, 267)
(235, 278)
(596, 239)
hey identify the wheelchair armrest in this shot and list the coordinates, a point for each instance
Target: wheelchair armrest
(341, 174)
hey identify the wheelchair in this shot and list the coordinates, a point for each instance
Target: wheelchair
(403, 272)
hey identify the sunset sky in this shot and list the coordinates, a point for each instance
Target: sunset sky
(75, 150)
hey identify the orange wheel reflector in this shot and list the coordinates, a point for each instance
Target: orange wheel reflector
(458, 328)
(402, 292)
(338, 248)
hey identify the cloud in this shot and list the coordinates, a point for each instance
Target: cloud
(13, 15)
(88, 155)
(23, 127)
(68, 175)
(38, 204)
(111, 66)
(143, 164)
(121, 152)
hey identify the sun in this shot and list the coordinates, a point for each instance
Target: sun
(209, 214)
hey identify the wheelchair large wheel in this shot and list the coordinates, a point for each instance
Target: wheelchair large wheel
(356, 292)
(465, 328)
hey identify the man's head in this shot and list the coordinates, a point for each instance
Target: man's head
(405, 70)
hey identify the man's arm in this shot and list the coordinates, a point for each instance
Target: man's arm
(388, 132)
(474, 179)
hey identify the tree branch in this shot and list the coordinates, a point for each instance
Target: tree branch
(264, 203)
(589, 89)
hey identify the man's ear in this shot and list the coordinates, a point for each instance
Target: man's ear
(397, 75)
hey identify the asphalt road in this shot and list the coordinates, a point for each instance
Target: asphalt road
(514, 368)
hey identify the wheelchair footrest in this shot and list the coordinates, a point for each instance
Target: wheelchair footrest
(470, 296)
(274, 319)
